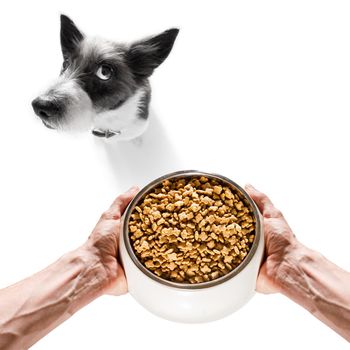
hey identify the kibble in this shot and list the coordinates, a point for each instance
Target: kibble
(192, 230)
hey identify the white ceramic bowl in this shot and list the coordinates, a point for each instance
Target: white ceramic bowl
(192, 303)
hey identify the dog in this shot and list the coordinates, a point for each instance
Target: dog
(103, 86)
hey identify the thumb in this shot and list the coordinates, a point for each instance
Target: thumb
(121, 202)
(263, 202)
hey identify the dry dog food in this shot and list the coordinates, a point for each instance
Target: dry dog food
(192, 230)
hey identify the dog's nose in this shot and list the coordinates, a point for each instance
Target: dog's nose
(46, 109)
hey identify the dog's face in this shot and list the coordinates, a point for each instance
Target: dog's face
(99, 77)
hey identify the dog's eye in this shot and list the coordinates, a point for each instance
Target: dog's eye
(65, 64)
(104, 71)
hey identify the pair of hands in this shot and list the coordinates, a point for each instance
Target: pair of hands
(279, 242)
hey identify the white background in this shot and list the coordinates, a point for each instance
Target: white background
(257, 91)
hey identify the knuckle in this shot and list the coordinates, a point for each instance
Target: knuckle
(278, 213)
(262, 198)
(110, 215)
(105, 215)
(273, 213)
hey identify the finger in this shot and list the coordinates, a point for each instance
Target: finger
(122, 201)
(117, 208)
(263, 202)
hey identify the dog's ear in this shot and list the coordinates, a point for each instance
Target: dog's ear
(145, 55)
(70, 36)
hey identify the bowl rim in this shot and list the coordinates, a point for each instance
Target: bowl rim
(183, 174)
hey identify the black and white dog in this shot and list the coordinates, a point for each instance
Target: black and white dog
(103, 85)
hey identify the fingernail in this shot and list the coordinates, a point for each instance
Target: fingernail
(133, 189)
(250, 186)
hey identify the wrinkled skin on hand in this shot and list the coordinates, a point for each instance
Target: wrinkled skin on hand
(104, 240)
(279, 240)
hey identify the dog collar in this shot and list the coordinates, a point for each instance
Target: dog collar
(105, 133)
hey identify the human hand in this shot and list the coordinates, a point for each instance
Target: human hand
(103, 243)
(280, 243)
